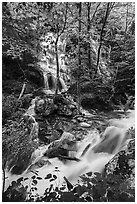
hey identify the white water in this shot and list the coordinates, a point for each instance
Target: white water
(99, 152)
(62, 85)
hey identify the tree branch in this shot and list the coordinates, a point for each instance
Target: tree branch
(95, 12)
(126, 19)
(64, 21)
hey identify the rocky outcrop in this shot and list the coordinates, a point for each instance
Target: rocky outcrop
(40, 123)
(62, 146)
(44, 106)
(66, 105)
(24, 135)
(123, 162)
(121, 172)
(47, 104)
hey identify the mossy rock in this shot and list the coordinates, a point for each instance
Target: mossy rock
(122, 167)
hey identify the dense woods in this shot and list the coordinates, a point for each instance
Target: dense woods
(58, 60)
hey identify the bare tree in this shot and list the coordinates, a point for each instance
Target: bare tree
(88, 33)
(101, 37)
(79, 54)
(126, 19)
(59, 33)
(89, 23)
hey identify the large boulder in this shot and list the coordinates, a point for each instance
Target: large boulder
(66, 105)
(121, 174)
(44, 106)
(62, 146)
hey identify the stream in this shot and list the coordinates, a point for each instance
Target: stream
(93, 152)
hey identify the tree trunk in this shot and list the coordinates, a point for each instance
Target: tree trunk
(22, 90)
(57, 63)
(88, 33)
(3, 186)
(4, 176)
(56, 49)
(79, 56)
(126, 20)
(101, 38)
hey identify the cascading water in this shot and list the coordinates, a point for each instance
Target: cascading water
(48, 64)
(50, 83)
(94, 152)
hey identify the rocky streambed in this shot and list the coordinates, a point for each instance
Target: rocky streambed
(50, 136)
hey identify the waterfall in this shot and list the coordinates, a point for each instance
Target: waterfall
(50, 83)
(48, 64)
(46, 84)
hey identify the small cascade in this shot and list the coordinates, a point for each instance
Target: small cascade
(46, 85)
(50, 83)
(48, 63)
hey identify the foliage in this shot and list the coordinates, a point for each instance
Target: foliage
(10, 107)
(116, 67)
(26, 24)
(15, 193)
(92, 188)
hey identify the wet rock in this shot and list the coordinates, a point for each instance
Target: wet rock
(87, 114)
(55, 150)
(67, 137)
(62, 146)
(85, 125)
(68, 141)
(80, 119)
(64, 110)
(55, 135)
(38, 164)
(74, 120)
